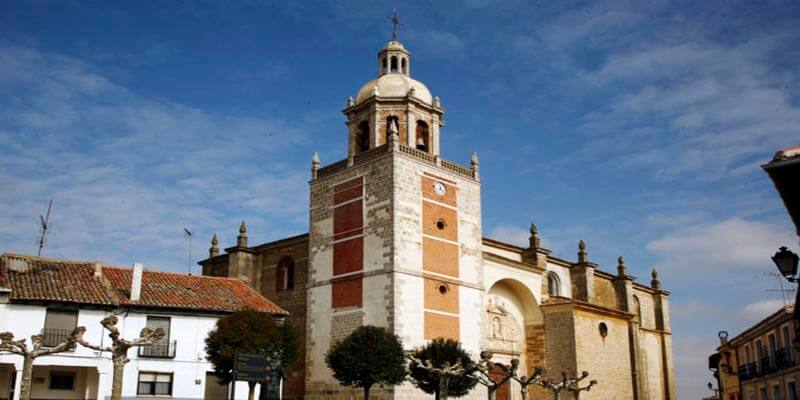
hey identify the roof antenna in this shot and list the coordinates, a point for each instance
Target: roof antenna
(44, 221)
(189, 234)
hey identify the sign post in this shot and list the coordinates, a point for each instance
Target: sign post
(263, 368)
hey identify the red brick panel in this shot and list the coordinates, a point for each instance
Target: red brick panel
(444, 326)
(441, 296)
(347, 220)
(346, 292)
(449, 197)
(344, 195)
(440, 257)
(348, 256)
(432, 214)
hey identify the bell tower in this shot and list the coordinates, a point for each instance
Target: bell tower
(394, 230)
(394, 102)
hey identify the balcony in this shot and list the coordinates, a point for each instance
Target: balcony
(163, 349)
(747, 371)
(782, 359)
(54, 337)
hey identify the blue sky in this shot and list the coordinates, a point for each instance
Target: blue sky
(636, 126)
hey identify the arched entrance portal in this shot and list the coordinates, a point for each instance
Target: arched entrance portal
(514, 329)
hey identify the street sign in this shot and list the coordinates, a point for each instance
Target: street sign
(263, 368)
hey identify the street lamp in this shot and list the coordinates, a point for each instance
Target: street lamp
(786, 261)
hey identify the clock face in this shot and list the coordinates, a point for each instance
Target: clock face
(439, 188)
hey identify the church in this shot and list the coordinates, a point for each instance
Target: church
(395, 239)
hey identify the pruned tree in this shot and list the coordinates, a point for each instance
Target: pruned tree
(568, 384)
(37, 349)
(483, 373)
(443, 368)
(248, 331)
(119, 348)
(529, 380)
(369, 355)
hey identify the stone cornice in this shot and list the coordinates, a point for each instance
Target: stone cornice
(512, 263)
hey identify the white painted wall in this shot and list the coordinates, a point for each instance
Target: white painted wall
(94, 369)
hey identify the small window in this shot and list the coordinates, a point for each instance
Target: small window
(603, 328)
(286, 274)
(62, 380)
(403, 63)
(394, 64)
(440, 224)
(787, 343)
(154, 384)
(553, 284)
(443, 289)
(791, 391)
(58, 326)
(384, 65)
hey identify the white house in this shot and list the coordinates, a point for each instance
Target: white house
(52, 297)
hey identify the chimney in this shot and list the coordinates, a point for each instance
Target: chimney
(98, 270)
(136, 282)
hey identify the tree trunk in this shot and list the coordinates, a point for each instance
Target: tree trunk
(251, 390)
(27, 373)
(116, 382)
(366, 391)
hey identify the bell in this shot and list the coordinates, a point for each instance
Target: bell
(420, 140)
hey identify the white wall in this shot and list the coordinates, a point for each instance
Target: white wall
(188, 367)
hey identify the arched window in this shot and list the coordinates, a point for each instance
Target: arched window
(362, 137)
(285, 274)
(423, 138)
(383, 63)
(637, 309)
(553, 284)
(403, 64)
(394, 64)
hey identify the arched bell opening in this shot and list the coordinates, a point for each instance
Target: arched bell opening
(422, 141)
(362, 137)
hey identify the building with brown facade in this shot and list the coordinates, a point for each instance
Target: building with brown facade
(760, 363)
(395, 239)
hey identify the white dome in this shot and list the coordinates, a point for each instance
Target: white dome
(394, 85)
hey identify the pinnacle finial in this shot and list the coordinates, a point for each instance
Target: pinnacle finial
(655, 283)
(213, 251)
(474, 160)
(350, 101)
(583, 256)
(533, 239)
(622, 269)
(437, 102)
(314, 165)
(241, 240)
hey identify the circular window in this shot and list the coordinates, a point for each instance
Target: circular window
(443, 289)
(441, 224)
(603, 328)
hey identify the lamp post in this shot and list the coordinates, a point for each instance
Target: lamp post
(786, 261)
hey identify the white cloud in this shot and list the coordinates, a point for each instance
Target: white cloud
(510, 234)
(732, 244)
(128, 172)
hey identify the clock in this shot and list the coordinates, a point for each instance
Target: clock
(439, 188)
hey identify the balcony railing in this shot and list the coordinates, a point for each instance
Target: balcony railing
(54, 337)
(164, 349)
(747, 371)
(778, 362)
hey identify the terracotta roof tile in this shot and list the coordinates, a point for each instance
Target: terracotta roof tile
(39, 279)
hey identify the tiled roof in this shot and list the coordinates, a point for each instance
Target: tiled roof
(171, 290)
(39, 279)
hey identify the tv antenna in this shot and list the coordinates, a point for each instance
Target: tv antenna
(45, 224)
(189, 235)
(780, 288)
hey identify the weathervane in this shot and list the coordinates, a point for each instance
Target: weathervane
(395, 21)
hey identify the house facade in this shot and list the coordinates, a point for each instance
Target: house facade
(762, 362)
(395, 239)
(52, 297)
